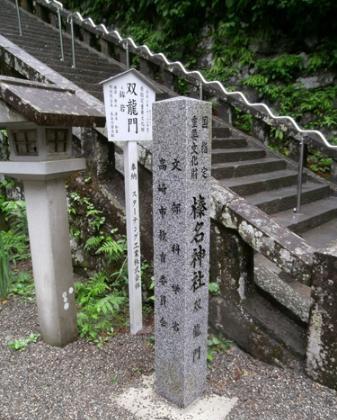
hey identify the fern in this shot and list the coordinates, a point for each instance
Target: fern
(98, 306)
(112, 249)
(93, 242)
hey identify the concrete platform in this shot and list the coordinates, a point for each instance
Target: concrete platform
(144, 403)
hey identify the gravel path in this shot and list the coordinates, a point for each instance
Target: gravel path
(81, 381)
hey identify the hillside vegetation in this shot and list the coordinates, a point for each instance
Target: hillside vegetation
(283, 52)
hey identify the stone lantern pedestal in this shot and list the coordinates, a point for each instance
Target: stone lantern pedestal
(40, 156)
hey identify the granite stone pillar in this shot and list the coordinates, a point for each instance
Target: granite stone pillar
(181, 205)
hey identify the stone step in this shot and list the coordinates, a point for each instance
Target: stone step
(285, 198)
(228, 142)
(322, 236)
(57, 65)
(293, 295)
(54, 54)
(49, 41)
(30, 34)
(52, 47)
(221, 132)
(255, 183)
(236, 155)
(108, 71)
(248, 167)
(311, 215)
(93, 79)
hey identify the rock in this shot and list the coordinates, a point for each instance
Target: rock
(314, 82)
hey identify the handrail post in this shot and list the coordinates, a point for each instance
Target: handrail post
(297, 209)
(71, 19)
(19, 17)
(127, 54)
(60, 32)
(201, 90)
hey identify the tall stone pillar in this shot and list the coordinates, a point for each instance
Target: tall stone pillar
(181, 206)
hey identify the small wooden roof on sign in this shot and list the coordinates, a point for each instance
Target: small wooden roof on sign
(135, 72)
(47, 104)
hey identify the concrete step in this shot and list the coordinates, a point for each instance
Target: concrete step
(322, 236)
(248, 167)
(46, 55)
(236, 155)
(221, 132)
(78, 71)
(228, 142)
(311, 215)
(255, 183)
(30, 34)
(90, 78)
(285, 198)
(57, 65)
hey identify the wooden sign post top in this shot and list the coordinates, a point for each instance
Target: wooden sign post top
(128, 99)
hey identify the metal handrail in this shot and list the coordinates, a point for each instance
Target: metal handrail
(19, 17)
(70, 20)
(126, 42)
(59, 20)
(256, 105)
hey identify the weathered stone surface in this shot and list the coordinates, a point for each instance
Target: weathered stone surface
(181, 222)
(293, 295)
(313, 82)
(321, 362)
(240, 312)
(232, 263)
(46, 104)
(287, 250)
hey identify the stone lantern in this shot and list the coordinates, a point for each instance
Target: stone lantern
(39, 119)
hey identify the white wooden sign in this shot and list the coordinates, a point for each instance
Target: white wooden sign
(128, 99)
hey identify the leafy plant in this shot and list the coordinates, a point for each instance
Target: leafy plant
(98, 305)
(22, 343)
(214, 288)
(22, 284)
(318, 162)
(114, 250)
(285, 67)
(217, 345)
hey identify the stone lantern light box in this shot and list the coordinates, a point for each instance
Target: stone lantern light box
(39, 119)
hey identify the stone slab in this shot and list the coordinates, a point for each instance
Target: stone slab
(144, 403)
(42, 170)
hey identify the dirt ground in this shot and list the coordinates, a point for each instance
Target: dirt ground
(81, 381)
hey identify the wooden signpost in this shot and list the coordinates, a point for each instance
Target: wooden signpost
(128, 99)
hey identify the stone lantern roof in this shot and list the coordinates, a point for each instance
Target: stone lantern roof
(44, 104)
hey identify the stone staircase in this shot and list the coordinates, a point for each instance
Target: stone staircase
(239, 162)
(42, 42)
(269, 182)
